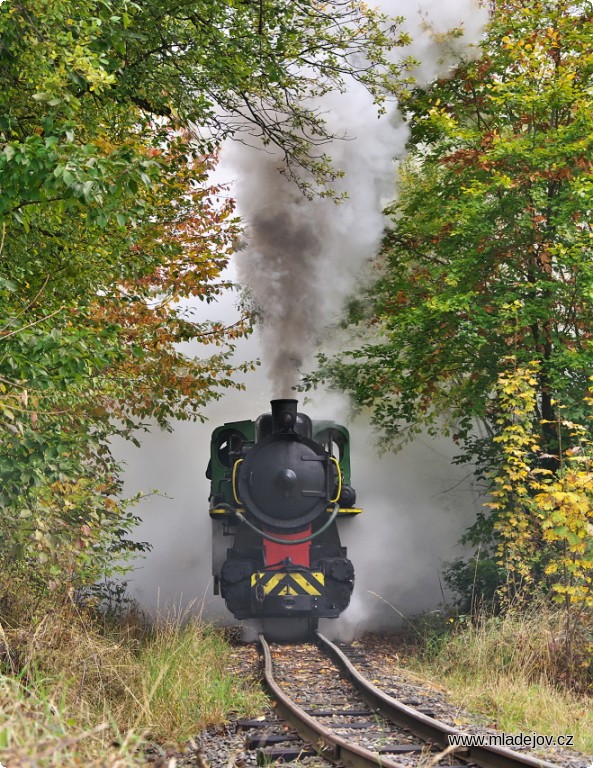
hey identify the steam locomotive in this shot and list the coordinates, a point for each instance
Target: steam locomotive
(279, 485)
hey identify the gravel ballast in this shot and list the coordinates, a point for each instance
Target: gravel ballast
(377, 658)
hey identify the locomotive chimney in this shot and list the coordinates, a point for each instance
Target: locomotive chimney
(284, 415)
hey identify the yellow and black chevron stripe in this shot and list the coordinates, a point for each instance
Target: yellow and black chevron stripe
(281, 583)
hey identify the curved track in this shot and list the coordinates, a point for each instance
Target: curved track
(340, 749)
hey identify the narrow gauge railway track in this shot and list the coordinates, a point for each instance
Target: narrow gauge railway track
(349, 721)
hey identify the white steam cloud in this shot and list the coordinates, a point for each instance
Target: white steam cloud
(303, 257)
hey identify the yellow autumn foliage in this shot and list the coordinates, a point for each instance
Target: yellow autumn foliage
(544, 518)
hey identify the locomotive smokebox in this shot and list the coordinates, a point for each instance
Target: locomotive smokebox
(284, 415)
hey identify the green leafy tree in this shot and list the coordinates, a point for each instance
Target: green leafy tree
(108, 226)
(486, 275)
(489, 253)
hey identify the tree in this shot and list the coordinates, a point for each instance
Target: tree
(481, 322)
(107, 224)
(229, 67)
(489, 251)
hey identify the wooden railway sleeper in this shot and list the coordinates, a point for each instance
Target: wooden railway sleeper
(327, 744)
(422, 725)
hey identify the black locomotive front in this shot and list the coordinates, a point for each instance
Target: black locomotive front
(278, 487)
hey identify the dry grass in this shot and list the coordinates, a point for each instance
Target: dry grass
(185, 681)
(510, 669)
(73, 694)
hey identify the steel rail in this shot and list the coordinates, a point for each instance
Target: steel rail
(424, 726)
(327, 743)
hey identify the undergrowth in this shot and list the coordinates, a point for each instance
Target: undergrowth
(75, 691)
(509, 668)
(185, 681)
